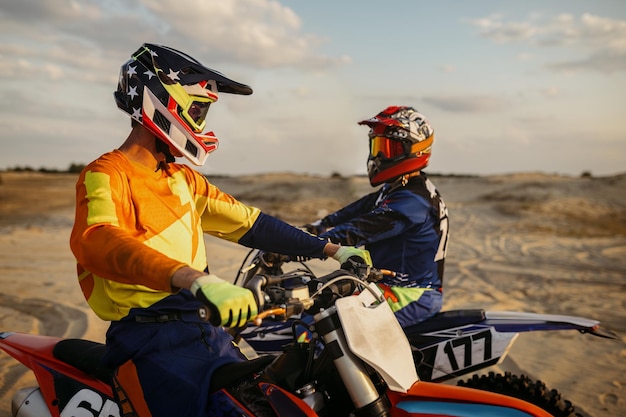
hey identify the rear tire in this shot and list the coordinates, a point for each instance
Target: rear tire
(522, 387)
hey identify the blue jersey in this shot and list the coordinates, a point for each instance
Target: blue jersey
(405, 228)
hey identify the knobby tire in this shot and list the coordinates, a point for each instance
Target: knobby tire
(524, 388)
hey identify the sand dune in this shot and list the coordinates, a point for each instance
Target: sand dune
(530, 242)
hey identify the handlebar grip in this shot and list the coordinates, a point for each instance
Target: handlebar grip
(272, 257)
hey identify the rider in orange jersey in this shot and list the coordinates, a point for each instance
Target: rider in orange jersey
(138, 238)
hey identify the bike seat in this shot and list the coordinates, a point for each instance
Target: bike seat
(231, 373)
(446, 320)
(84, 355)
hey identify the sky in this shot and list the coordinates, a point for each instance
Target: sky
(508, 86)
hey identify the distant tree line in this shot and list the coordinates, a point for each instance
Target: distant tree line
(72, 169)
(75, 168)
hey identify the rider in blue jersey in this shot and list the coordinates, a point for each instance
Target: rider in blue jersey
(403, 224)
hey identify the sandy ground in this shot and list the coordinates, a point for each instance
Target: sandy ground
(526, 242)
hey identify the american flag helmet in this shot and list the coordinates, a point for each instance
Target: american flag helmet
(170, 93)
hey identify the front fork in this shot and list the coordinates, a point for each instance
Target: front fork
(352, 370)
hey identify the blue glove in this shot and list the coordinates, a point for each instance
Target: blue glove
(229, 305)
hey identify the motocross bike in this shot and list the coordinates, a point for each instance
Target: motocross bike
(356, 373)
(449, 345)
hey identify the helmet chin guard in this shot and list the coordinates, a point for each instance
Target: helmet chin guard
(167, 127)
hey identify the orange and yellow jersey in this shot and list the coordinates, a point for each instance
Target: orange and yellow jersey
(135, 226)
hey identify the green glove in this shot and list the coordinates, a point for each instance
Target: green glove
(230, 305)
(346, 252)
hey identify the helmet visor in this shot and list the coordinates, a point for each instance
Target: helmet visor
(382, 146)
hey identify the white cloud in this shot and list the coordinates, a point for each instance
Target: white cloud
(493, 28)
(60, 61)
(599, 42)
(252, 33)
(604, 32)
(259, 33)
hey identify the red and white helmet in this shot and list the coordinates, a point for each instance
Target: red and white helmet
(170, 93)
(400, 143)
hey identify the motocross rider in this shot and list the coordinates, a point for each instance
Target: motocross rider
(139, 245)
(403, 224)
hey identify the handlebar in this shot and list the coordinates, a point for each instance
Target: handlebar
(272, 258)
(293, 293)
(283, 293)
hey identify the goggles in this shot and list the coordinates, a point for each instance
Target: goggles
(194, 111)
(193, 101)
(387, 147)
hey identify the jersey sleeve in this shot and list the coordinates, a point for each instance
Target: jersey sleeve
(110, 252)
(273, 235)
(355, 209)
(372, 226)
